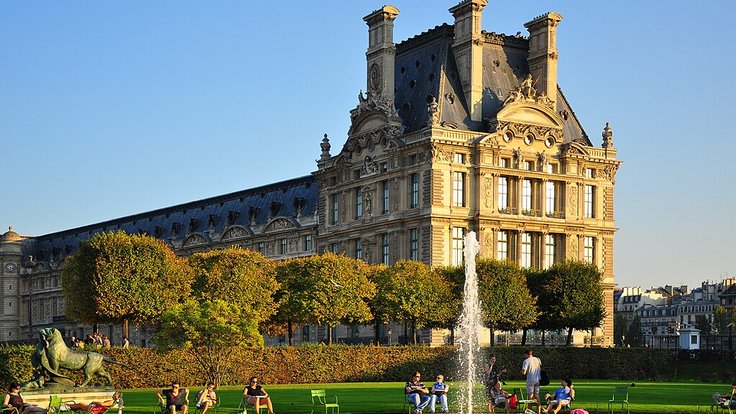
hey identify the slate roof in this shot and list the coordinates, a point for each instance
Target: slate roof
(425, 66)
(282, 199)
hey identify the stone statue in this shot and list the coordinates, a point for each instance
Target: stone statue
(527, 87)
(52, 354)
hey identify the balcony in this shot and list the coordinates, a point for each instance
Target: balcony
(532, 212)
(508, 210)
(556, 214)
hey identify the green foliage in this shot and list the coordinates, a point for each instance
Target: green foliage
(237, 276)
(619, 329)
(455, 279)
(115, 276)
(702, 323)
(506, 301)
(634, 336)
(209, 331)
(720, 320)
(412, 291)
(324, 290)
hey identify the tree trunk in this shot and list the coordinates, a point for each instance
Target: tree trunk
(523, 337)
(125, 329)
(452, 335)
(568, 341)
(414, 331)
(543, 336)
(377, 332)
(493, 339)
(288, 329)
(406, 333)
(329, 334)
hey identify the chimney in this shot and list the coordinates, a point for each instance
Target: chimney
(468, 49)
(543, 52)
(381, 53)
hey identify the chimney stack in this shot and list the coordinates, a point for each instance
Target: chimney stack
(468, 49)
(381, 54)
(543, 52)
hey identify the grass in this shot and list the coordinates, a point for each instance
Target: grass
(388, 397)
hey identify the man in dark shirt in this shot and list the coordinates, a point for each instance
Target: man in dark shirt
(417, 393)
(174, 401)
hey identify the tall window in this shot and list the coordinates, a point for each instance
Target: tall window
(458, 158)
(588, 249)
(335, 211)
(502, 250)
(413, 244)
(589, 173)
(526, 250)
(386, 199)
(308, 242)
(358, 249)
(549, 250)
(503, 193)
(414, 195)
(261, 246)
(458, 189)
(589, 199)
(358, 203)
(526, 195)
(457, 245)
(282, 246)
(385, 252)
(551, 198)
(333, 247)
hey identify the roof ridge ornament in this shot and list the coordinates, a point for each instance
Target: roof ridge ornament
(526, 92)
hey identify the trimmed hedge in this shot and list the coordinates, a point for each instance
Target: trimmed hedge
(150, 368)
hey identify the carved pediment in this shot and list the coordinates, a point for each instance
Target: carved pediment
(195, 240)
(574, 148)
(280, 223)
(236, 232)
(530, 113)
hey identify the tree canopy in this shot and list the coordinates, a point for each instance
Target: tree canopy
(506, 301)
(116, 277)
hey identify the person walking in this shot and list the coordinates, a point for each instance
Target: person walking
(531, 368)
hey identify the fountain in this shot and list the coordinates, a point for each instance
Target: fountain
(469, 324)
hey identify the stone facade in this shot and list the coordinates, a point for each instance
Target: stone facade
(459, 130)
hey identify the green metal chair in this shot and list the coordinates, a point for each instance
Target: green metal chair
(524, 401)
(320, 399)
(721, 407)
(620, 395)
(55, 403)
(243, 406)
(9, 410)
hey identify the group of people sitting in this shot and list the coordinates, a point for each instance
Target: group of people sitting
(420, 396)
(175, 399)
(13, 402)
(728, 399)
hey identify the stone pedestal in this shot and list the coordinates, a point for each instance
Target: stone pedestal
(41, 397)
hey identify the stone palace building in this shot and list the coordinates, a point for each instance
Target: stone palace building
(459, 130)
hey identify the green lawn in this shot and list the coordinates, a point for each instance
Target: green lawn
(645, 397)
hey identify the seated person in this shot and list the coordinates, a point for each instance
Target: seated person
(206, 397)
(13, 399)
(439, 391)
(257, 395)
(561, 397)
(417, 393)
(96, 407)
(497, 397)
(174, 400)
(727, 398)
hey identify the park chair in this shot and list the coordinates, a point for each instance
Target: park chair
(320, 399)
(9, 410)
(523, 401)
(163, 409)
(722, 408)
(94, 408)
(620, 395)
(243, 406)
(55, 403)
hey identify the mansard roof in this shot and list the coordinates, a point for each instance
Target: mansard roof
(256, 206)
(426, 67)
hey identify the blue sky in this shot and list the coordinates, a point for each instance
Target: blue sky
(113, 108)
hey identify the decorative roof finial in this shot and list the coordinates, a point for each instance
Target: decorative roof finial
(607, 136)
(325, 145)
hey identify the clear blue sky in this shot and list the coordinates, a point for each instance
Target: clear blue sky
(113, 108)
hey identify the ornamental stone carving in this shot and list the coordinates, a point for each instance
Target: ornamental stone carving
(194, 240)
(608, 173)
(438, 154)
(369, 167)
(488, 191)
(433, 111)
(373, 103)
(279, 224)
(572, 200)
(526, 92)
(235, 233)
(573, 246)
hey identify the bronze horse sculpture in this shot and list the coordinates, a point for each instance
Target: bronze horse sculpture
(52, 354)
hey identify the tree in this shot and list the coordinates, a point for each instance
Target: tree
(634, 336)
(575, 294)
(115, 277)
(506, 302)
(455, 278)
(539, 281)
(619, 328)
(325, 290)
(208, 329)
(411, 291)
(238, 276)
(703, 324)
(721, 320)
